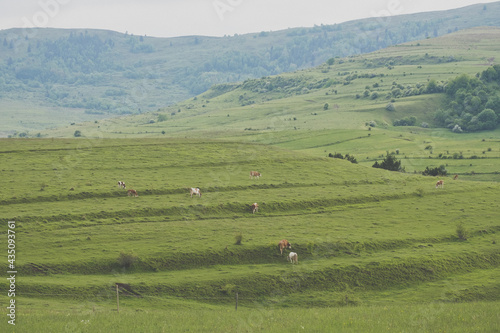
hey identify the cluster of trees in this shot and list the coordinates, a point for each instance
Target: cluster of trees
(283, 85)
(347, 157)
(473, 102)
(407, 121)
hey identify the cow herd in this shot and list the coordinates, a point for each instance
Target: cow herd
(283, 244)
(196, 191)
(292, 256)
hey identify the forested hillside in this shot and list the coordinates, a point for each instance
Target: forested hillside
(104, 73)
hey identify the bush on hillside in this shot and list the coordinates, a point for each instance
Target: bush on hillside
(390, 107)
(440, 171)
(127, 259)
(238, 238)
(462, 232)
(389, 163)
(407, 121)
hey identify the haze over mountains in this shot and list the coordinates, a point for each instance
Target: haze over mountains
(50, 77)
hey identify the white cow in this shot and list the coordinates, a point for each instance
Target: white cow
(121, 184)
(293, 258)
(195, 191)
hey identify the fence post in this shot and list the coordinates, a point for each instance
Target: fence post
(117, 299)
(236, 305)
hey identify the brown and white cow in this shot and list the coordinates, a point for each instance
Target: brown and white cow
(195, 191)
(121, 184)
(255, 207)
(440, 183)
(254, 174)
(293, 258)
(455, 177)
(132, 192)
(284, 244)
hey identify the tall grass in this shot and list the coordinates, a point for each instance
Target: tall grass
(461, 317)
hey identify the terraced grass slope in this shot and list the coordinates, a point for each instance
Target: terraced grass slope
(365, 237)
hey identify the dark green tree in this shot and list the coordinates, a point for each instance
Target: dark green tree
(390, 163)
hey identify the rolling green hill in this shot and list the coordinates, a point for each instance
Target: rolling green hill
(340, 108)
(68, 76)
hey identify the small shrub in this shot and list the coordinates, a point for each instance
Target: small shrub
(238, 238)
(462, 232)
(228, 289)
(310, 248)
(348, 299)
(127, 259)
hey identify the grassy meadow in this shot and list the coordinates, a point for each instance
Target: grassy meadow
(378, 250)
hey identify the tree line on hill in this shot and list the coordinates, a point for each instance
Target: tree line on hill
(119, 64)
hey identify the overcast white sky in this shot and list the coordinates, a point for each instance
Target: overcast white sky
(169, 18)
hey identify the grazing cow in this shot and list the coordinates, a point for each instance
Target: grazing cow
(255, 207)
(132, 192)
(254, 174)
(440, 183)
(121, 184)
(284, 244)
(293, 258)
(456, 177)
(195, 191)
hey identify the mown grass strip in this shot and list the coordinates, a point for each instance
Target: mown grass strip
(221, 210)
(234, 256)
(387, 274)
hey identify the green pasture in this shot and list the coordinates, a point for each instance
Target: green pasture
(24, 118)
(450, 317)
(378, 250)
(368, 240)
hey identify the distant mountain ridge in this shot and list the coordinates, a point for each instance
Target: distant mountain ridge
(97, 72)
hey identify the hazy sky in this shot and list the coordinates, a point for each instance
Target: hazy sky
(168, 18)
